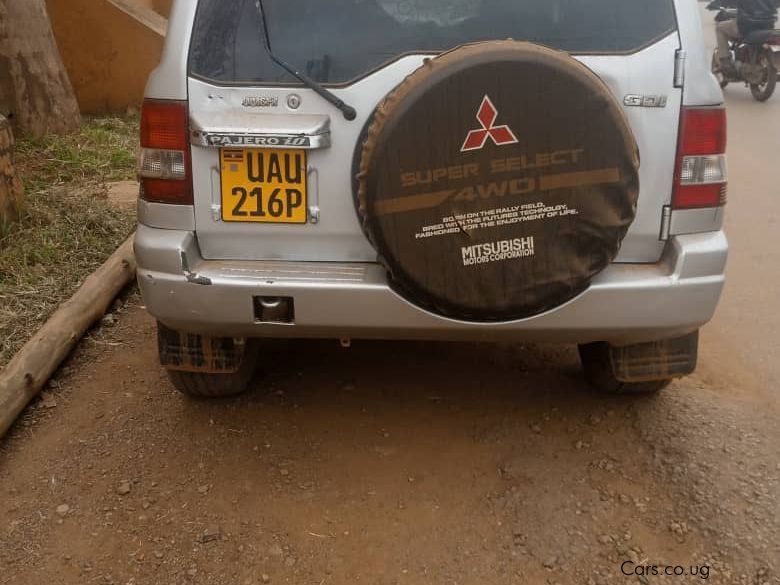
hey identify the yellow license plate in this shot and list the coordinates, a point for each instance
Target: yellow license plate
(263, 185)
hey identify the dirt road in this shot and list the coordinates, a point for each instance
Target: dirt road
(417, 463)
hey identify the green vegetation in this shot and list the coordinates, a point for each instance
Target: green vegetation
(67, 227)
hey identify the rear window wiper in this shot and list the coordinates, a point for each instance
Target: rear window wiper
(348, 111)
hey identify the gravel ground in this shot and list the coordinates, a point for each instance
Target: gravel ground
(476, 464)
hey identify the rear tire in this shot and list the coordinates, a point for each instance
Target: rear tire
(762, 92)
(599, 374)
(203, 385)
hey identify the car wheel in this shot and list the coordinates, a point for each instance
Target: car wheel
(763, 91)
(207, 367)
(203, 385)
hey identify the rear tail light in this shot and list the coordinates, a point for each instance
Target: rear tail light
(700, 175)
(165, 163)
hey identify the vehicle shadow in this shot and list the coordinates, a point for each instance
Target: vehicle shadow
(441, 382)
(466, 373)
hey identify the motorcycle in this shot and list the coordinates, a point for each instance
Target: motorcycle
(756, 57)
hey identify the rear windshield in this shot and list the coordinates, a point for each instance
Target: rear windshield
(336, 41)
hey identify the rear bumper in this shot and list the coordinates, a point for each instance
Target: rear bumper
(627, 303)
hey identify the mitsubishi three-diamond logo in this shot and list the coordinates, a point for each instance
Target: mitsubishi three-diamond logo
(500, 135)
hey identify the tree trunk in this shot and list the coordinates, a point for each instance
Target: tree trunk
(10, 186)
(35, 92)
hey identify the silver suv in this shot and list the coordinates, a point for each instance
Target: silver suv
(516, 170)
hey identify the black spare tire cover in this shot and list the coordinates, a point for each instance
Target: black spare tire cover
(496, 181)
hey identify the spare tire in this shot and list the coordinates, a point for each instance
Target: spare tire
(496, 181)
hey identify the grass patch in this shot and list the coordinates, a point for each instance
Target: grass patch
(67, 227)
(103, 150)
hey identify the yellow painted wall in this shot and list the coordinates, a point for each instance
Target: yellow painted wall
(162, 6)
(108, 54)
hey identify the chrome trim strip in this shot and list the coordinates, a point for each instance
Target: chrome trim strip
(258, 140)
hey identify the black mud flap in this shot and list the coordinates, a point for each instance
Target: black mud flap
(658, 360)
(189, 352)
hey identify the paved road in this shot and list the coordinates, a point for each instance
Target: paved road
(417, 463)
